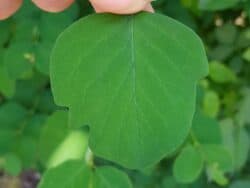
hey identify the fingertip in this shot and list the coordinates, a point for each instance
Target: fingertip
(121, 6)
(149, 8)
(9, 7)
(53, 5)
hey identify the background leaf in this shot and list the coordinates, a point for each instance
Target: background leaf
(188, 165)
(75, 174)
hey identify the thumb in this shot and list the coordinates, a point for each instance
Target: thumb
(53, 5)
(9, 7)
(121, 6)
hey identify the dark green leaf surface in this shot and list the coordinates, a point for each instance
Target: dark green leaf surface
(18, 60)
(206, 130)
(135, 89)
(7, 85)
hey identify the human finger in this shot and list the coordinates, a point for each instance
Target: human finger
(121, 6)
(9, 7)
(53, 5)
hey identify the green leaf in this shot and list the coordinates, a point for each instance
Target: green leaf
(18, 114)
(58, 143)
(217, 155)
(7, 85)
(106, 177)
(51, 25)
(12, 164)
(218, 161)
(216, 174)
(27, 91)
(19, 60)
(206, 130)
(221, 52)
(25, 30)
(188, 165)
(42, 55)
(220, 73)
(244, 108)
(226, 34)
(170, 182)
(211, 104)
(75, 174)
(240, 184)
(129, 84)
(217, 4)
(236, 140)
(246, 55)
(46, 102)
(71, 174)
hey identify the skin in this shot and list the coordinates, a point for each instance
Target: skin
(121, 6)
(53, 5)
(9, 7)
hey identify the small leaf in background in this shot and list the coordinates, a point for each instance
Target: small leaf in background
(230, 101)
(211, 104)
(218, 161)
(243, 40)
(206, 129)
(105, 177)
(100, 84)
(247, 8)
(58, 143)
(18, 114)
(25, 147)
(188, 165)
(236, 140)
(19, 60)
(75, 174)
(246, 55)
(221, 52)
(217, 155)
(244, 108)
(220, 73)
(46, 103)
(71, 174)
(25, 31)
(170, 182)
(6, 140)
(240, 184)
(12, 164)
(215, 174)
(192, 5)
(226, 34)
(42, 56)
(7, 85)
(51, 25)
(216, 4)
(175, 10)
(236, 64)
(28, 91)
